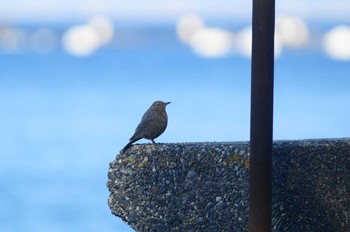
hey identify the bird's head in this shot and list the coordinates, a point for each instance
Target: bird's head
(159, 105)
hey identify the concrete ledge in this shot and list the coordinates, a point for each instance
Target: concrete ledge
(204, 186)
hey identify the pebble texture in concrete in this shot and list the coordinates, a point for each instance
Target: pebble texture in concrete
(204, 186)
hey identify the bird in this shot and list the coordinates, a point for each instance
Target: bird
(152, 125)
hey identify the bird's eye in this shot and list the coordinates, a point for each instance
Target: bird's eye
(158, 104)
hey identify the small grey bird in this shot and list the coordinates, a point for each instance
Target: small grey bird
(152, 125)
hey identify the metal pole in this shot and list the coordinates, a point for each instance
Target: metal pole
(261, 122)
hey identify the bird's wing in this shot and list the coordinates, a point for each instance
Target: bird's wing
(142, 125)
(146, 121)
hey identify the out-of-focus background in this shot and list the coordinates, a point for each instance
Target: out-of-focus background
(76, 77)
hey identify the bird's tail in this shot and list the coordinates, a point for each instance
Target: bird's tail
(127, 146)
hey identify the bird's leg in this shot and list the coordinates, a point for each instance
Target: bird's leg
(153, 141)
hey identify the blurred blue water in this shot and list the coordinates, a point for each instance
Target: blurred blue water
(63, 119)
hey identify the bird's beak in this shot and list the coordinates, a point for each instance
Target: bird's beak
(167, 103)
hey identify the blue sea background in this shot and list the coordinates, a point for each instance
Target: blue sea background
(64, 118)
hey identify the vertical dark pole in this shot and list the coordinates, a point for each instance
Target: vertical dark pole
(261, 121)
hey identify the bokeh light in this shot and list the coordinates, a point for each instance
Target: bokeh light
(104, 28)
(244, 43)
(187, 25)
(209, 42)
(80, 40)
(12, 40)
(336, 42)
(212, 42)
(292, 30)
(43, 40)
(84, 40)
